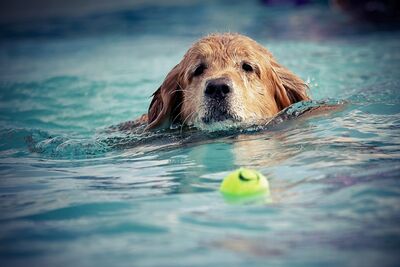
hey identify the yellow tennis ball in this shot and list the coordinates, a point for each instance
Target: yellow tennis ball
(244, 182)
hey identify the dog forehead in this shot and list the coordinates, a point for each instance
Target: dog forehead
(223, 47)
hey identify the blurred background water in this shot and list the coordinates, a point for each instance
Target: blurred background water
(67, 197)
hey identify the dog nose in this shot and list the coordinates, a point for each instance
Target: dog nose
(218, 88)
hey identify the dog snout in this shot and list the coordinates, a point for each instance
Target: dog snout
(218, 88)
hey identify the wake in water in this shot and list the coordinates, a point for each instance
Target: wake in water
(115, 138)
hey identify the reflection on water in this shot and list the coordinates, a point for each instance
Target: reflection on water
(71, 189)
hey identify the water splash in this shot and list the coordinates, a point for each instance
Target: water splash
(111, 139)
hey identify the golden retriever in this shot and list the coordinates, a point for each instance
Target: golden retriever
(224, 79)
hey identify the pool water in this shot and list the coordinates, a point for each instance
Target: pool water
(72, 194)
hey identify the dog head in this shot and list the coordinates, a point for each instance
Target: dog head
(224, 78)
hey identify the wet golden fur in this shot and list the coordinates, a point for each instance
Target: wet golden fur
(257, 95)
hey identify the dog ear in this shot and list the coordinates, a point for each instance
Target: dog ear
(289, 87)
(165, 105)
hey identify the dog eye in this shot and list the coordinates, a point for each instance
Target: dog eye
(247, 67)
(199, 70)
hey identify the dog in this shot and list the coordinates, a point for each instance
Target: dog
(225, 79)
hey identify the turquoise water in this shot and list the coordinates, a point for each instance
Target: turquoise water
(74, 195)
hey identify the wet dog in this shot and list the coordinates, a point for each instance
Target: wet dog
(224, 79)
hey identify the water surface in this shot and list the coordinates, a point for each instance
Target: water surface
(70, 195)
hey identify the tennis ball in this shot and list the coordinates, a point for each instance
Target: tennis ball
(244, 182)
